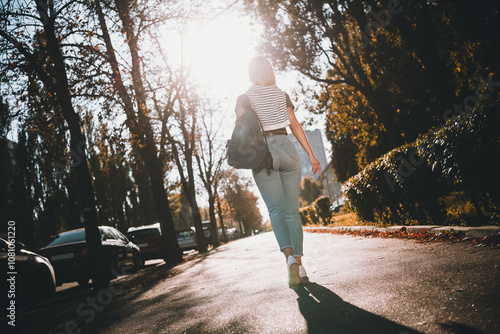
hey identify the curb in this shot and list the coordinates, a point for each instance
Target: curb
(473, 232)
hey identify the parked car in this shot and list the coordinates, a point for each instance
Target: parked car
(336, 208)
(68, 254)
(232, 233)
(34, 278)
(148, 238)
(187, 239)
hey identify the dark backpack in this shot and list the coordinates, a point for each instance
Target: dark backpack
(247, 148)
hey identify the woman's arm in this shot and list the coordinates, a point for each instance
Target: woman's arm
(299, 133)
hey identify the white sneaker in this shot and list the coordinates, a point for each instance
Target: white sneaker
(303, 275)
(293, 272)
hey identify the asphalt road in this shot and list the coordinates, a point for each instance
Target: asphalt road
(359, 285)
(75, 286)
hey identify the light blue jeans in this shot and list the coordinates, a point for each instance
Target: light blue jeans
(280, 191)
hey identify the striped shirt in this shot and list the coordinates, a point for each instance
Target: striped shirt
(270, 104)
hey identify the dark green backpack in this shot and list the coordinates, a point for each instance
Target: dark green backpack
(247, 148)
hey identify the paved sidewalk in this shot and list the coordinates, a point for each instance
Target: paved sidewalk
(473, 232)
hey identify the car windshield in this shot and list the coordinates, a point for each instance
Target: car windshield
(68, 237)
(144, 233)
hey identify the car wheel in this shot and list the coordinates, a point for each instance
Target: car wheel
(137, 264)
(113, 269)
(46, 288)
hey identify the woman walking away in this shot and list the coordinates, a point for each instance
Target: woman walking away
(280, 186)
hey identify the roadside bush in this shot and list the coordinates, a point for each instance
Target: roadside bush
(470, 156)
(322, 206)
(392, 191)
(460, 210)
(406, 185)
(311, 214)
(303, 216)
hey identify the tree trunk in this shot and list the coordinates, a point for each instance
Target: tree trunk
(248, 229)
(74, 212)
(188, 183)
(213, 222)
(189, 189)
(26, 203)
(386, 115)
(195, 211)
(62, 96)
(221, 219)
(172, 251)
(140, 128)
(100, 270)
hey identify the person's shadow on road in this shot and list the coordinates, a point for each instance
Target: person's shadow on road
(325, 312)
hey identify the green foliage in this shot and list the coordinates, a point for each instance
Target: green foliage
(382, 79)
(318, 211)
(407, 185)
(353, 130)
(237, 191)
(343, 157)
(5, 118)
(304, 219)
(312, 214)
(322, 206)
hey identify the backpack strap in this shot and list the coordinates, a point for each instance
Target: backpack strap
(248, 104)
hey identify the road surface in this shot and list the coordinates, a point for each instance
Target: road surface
(359, 285)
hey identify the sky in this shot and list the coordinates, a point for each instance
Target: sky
(218, 50)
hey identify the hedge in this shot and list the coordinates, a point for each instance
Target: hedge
(322, 206)
(317, 211)
(304, 219)
(406, 185)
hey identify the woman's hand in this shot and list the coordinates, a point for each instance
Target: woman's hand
(315, 164)
(299, 133)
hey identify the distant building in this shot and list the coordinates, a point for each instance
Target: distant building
(331, 188)
(316, 141)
